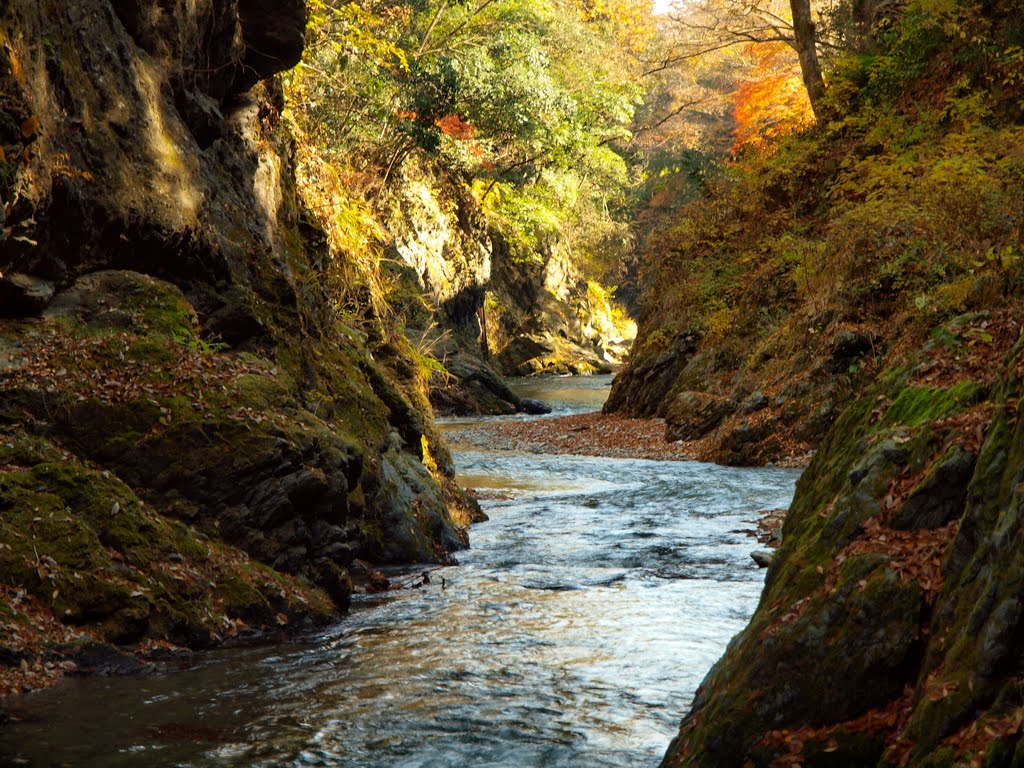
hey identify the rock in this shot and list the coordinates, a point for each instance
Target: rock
(473, 388)
(762, 557)
(692, 415)
(273, 32)
(757, 401)
(848, 346)
(742, 446)
(941, 495)
(106, 661)
(534, 407)
(368, 578)
(23, 295)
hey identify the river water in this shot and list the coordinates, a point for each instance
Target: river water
(574, 634)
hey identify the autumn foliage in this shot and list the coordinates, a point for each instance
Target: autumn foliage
(772, 102)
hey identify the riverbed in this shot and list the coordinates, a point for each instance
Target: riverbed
(574, 633)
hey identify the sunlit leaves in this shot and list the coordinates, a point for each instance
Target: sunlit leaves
(772, 101)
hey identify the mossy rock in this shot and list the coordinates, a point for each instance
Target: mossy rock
(82, 542)
(837, 635)
(279, 456)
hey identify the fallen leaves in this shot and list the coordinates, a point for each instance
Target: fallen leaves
(105, 368)
(586, 434)
(26, 626)
(915, 555)
(967, 351)
(789, 744)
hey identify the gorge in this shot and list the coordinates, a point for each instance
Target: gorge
(249, 250)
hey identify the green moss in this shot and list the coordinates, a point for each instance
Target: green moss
(916, 405)
(152, 352)
(81, 541)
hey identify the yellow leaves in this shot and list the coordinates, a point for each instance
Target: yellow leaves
(61, 165)
(16, 71)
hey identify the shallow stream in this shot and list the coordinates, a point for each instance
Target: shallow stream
(574, 634)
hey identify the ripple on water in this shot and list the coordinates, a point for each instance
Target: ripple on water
(574, 634)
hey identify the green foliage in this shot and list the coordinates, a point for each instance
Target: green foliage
(900, 211)
(526, 101)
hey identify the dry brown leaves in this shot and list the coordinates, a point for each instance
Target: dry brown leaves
(972, 741)
(28, 626)
(611, 435)
(104, 369)
(586, 434)
(972, 352)
(915, 556)
(888, 720)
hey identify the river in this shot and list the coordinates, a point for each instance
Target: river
(574, 633)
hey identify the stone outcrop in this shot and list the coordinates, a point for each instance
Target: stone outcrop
(516, 313)
(166, 329)
(888, 630)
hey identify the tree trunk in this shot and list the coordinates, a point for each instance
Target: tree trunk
(810, 67)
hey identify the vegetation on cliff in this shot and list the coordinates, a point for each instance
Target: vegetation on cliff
(196, 443)
(466, 162)
(801, 267)
(854, 287)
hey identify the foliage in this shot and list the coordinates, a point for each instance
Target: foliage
(903, 209)
(772, 101)
(525, 101)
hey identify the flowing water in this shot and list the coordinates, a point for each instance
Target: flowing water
(574, 634)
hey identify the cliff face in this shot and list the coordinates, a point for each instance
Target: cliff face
(858, 292)
(888, 630)
(521, 311)
(168, 353)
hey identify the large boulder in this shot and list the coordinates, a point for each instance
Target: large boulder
(692, 415)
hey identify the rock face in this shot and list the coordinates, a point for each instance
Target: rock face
(693, 414)
(770, 402)
(475, 389)
(515, 312)
(165, 324)
(888, 630)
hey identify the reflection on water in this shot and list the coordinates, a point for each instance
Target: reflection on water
(566, 395)
(574, 634)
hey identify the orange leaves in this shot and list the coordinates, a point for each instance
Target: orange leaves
(456, 127)
(916, 555)
(790, 743)
(773, 102)
(450, 125)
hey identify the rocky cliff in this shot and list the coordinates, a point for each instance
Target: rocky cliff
(888, 627)
(493, 306)
(857, 293)
(191, 439)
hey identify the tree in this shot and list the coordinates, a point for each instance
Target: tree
(806, 48)
(709, 27)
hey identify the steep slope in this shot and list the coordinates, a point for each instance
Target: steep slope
(171, 368)
(857, 294)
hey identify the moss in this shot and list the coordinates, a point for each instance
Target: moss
(916, 405)
(83, 543)
(152, 352)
